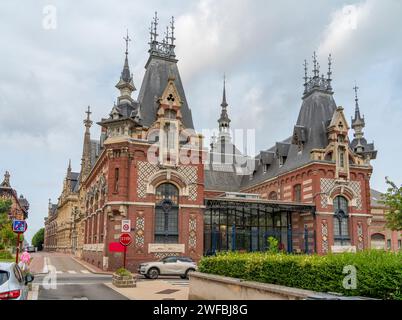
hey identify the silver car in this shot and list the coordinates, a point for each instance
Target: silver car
(169, 266)
(13, 285)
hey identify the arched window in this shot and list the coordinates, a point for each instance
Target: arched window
(341, 221)
(166, 214)
(273, 196)
(297, 193)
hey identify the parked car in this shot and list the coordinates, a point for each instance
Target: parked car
(169, 266)
(31, 249)
(13, 284)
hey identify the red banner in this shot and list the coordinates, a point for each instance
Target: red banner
(116, 247)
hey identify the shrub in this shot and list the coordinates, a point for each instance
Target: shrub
(379, 273)
(5, 254)
(273, 245)
(123, 272)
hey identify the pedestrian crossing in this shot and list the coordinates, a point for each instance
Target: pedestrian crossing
(178, 283)
(72, 272)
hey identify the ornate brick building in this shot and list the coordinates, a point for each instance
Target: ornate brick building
(19, 205)
(311, 190)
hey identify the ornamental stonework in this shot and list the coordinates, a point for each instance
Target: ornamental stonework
(360, 237)
(140, 231)
(324, 232)
(145, 170)
(192, 239)
(328, 185)
(191, 175)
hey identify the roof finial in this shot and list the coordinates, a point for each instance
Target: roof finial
(356, 98)
(88, 121)
(329, 73)
(305, 76)
(315, 70)
(154, 33)
(127, 39)
(167, 37)
(172, 27)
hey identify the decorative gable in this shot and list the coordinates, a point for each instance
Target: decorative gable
(170, 96)
(338, 121)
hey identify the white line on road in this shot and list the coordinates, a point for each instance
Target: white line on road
(72, 271)
(35, 291)
(85, 271)
(59, 272)
(45, 267)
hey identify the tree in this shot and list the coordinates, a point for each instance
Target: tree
(393, 200)
(7, 236)
(39, 238)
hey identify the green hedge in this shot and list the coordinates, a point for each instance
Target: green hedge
(5, 254)
(379, 273)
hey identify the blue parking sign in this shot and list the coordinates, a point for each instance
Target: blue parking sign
(19, 226)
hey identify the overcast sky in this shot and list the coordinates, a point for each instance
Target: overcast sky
(50, 70)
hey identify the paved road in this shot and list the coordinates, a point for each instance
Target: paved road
(69, 280)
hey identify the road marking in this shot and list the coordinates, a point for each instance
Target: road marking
(59, 272)
(72, 271)
(45, 267)
(35, 291)
(85, 271)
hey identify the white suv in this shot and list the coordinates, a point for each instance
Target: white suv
(169, 266)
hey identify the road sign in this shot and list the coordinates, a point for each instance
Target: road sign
(125, 226)
(19, 226)
(125, 239)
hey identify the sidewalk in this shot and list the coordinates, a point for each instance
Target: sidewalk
(153, 290)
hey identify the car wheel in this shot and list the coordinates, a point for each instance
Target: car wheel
(153, 273)
(187, 272)
(146, 276)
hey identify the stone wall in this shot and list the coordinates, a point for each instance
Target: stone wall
(211, 287)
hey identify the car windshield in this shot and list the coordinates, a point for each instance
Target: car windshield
(4, 275)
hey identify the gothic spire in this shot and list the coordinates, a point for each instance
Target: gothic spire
(126, 75)
(125, 84)
(358, 121)
(6, 181)
(86, 150)
(224, 120)
(69, 169)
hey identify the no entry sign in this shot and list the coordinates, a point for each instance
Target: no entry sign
(125, 226)
(125, 239)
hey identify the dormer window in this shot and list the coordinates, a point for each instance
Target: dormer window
(282, 161)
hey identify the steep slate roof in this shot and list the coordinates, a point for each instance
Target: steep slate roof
(158, 70)
(221, 178)
(316, 111)
(74, 178)
(95, 150)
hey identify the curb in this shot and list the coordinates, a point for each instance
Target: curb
(90, 269)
